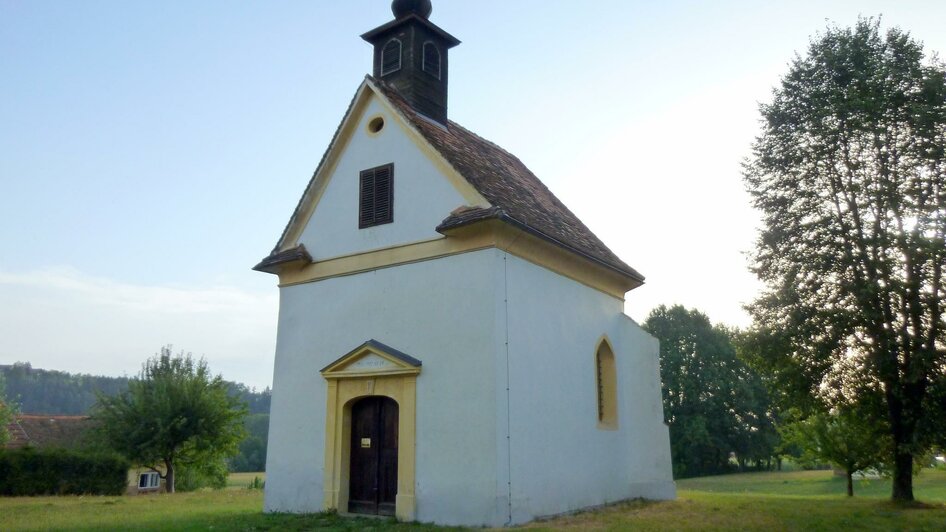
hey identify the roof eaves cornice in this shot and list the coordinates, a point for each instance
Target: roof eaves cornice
(472, 216)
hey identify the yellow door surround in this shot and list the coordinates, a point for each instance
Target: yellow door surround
(371, 369)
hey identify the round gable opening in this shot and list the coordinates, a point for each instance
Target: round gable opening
(375, 125)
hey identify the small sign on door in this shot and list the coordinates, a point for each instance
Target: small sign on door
(366, 443)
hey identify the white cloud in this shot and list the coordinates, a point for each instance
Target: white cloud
(63, 319)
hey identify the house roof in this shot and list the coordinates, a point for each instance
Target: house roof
(515, 194)
(47, 431)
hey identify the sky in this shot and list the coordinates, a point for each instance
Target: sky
(152, 152)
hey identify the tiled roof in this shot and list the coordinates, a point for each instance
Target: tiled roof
(18, 436)
(515, 193)
(47, 431)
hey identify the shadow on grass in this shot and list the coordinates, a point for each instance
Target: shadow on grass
(258, 521)
(915, 505)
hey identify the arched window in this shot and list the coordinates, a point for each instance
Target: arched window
(607, 383)
(391, 57)
(432, 59)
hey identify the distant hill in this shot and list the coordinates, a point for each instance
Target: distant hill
(41, 391)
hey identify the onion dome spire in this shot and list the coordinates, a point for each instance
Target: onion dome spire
(403, 8)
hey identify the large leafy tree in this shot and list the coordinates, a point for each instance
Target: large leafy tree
(849, 174)
(713, 403)
(174, 413)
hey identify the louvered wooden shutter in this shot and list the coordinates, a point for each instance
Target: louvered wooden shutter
(391, 57)
(376, 196)
(432, 60)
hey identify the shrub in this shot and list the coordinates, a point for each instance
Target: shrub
(29, 471)
(256, 484)
(210, 474)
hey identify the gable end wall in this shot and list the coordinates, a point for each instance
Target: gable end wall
(423, 195)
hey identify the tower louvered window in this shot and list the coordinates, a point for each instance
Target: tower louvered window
(391, 57)
(376, 196)
(432, 60)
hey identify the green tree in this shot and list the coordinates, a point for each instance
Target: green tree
(713, 403)
(252, 455)
(209, 473)
(849, 174)
(844, 438)
(7, 412)
(174, 413)
(59, 392)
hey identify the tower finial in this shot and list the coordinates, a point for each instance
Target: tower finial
(403, 8)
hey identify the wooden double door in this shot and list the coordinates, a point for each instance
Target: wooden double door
(373, 473)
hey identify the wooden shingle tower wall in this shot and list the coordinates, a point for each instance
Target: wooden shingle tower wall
(410, 53)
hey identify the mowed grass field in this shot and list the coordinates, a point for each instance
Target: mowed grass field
(801, 500)
(804, 500)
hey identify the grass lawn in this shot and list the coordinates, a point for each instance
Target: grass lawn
(804, 500)
(231, 509)
(928, 486)
(242, 480)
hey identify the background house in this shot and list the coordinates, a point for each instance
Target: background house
(71, 432)
(45, 431)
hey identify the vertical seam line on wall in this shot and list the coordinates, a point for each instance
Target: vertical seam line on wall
(508, 409)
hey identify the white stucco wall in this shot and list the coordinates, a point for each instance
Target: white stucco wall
(475, 440)
(506, 400)
(441, 312)
(560, 459)
(423, 197)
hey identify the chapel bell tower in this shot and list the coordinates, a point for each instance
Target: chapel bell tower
(410, 53)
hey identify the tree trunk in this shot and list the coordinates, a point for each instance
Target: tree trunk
(850, 483)
(169, 476)
(902, 433)
(903, 476)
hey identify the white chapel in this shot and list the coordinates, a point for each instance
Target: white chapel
(452, 345)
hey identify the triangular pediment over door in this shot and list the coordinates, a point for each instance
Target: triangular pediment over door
(372, 359)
